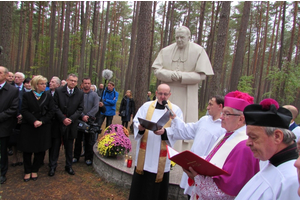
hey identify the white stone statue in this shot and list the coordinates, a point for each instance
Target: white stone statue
(183, 65)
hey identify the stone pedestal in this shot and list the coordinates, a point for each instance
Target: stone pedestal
(113, 170)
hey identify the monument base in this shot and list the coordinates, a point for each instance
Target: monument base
(114, 171)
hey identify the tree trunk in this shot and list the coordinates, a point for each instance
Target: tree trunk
(297, 47)
(83, 39)
(23, 53)
(6, 10)
(282, 88)
(52, 35)
(132, 52)
(257, 42)
(220, 47)
(293, 32)
(282, 36)
(143, 51)
(274, 59)
(240, 47)
(167, 25)
(20, 38)
(66, 41)
(60, 39)
(203, 3)
(260, 89)
(162, 27)
(29, 58)
(188, 16)
(171, 23)
(151, 43)
(104, 40)
(94, 39)
(37, 39)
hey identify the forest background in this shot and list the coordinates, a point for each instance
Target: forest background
(253, 45)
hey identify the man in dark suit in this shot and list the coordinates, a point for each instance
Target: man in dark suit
(18, 83)
(55, 131)
(9, 98)
(69, 102)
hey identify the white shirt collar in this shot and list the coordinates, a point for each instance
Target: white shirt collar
(2, 85)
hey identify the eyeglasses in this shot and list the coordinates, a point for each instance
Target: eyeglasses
(228, 114)
(165, 94)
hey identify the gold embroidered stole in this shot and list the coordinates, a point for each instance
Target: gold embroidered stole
(143, 145)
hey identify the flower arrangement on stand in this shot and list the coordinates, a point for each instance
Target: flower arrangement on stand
(115, 141)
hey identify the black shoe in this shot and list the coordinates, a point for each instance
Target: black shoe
(88, 162)
(34, 178)
(70, 170)
(2, 179)
(26, 179)
(51, 172)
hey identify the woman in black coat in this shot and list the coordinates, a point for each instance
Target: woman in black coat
(37, 110)
(127, 108)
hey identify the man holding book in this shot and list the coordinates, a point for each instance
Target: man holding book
(204, 132)
(230, 153)
(151, 175)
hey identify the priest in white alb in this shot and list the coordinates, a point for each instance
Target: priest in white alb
(204, 133)
(150, 180)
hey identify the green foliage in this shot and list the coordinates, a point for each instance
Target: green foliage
(245, 84)
(284, 83)
(202, 112)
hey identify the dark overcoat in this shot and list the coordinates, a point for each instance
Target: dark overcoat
(129, 109)
(38, 139)
(9, 99)
(68, 106)
(55, 125)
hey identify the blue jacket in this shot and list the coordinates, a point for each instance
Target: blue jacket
(110, 99)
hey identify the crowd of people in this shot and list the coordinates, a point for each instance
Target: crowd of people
(38, 115)
(257, 145)
(254, 143)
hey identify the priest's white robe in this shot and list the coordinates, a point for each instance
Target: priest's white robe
(296, 131)
(272, 183)
(204, 132)
(154, 141)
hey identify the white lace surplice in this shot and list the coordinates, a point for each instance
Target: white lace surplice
(206, 189)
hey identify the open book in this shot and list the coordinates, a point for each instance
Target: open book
(153, 126)
(188, 159)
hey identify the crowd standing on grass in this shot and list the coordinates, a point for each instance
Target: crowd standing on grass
(37, 115)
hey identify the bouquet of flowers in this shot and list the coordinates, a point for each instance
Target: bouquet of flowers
(115, 141)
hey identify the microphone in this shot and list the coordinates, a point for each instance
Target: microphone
(165, 103)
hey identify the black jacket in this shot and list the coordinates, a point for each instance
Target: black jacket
(34, 139)
(9, 99)
(68, 106)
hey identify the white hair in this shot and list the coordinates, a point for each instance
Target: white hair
(20, 73)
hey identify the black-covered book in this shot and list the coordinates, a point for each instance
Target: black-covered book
(153, 126)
